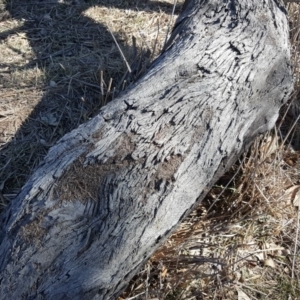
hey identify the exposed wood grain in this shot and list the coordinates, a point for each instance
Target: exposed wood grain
(110, 192)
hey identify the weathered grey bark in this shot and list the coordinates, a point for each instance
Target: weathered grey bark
(111, 191)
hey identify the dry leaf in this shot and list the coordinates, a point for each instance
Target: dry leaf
(269, 262)
(164, 272)
(139, 286)
(242, 295)
(52, 83)
(296, 201)
(237, 275)
(50, 119)
(291, 159)
(292, 194)
(195, 252)
(47, 17)
(269, 146)
(260, 256)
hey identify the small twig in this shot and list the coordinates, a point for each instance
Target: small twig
(49, 56)
(251, 289)
(147, 281)
(266, 250)
(131, 298)
(225, 188)
(266, 199)
(288, 134)
(124, 85)
(101, 86)
(35, 3)
(155, 42)
(58, 122)
(122, 81)
(85, 83)
(121, 52)
(296, 243)
(169, 26)
(3, 168)
(108, 91)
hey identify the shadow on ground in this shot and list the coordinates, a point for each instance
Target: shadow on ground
(73, 68)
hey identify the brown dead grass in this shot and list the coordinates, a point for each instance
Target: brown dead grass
(60, 64)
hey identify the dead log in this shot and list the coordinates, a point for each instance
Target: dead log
(110, 192)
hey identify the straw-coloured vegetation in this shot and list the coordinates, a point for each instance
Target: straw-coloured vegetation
(61, 61)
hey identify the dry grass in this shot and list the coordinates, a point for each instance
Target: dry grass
(60, 64)
(240, 240)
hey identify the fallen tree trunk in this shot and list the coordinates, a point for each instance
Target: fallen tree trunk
(110, 192)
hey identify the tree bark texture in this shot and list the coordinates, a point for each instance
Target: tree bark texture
(110, 192)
